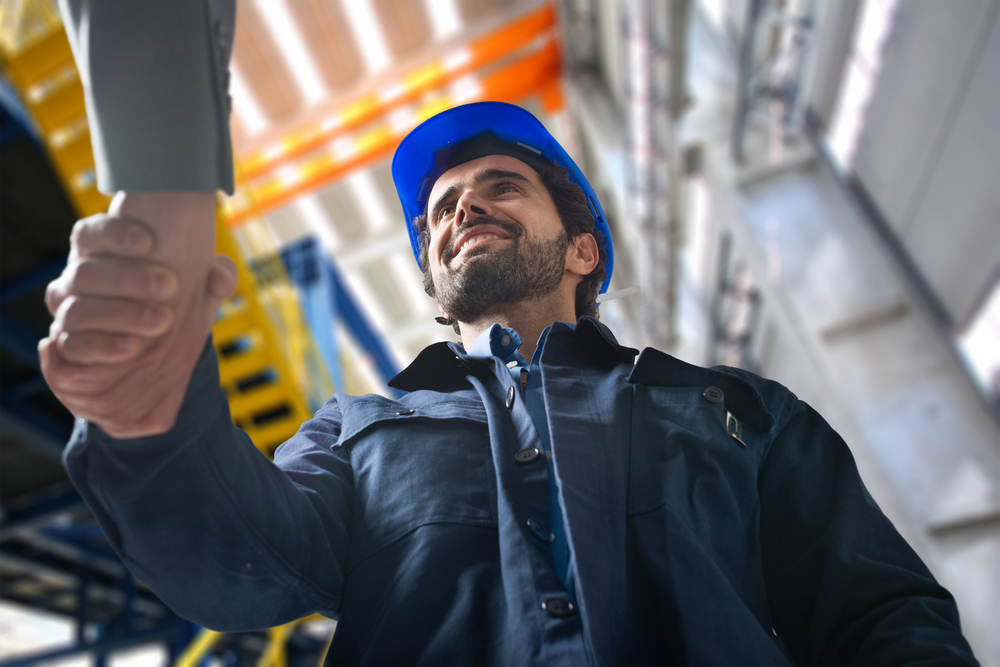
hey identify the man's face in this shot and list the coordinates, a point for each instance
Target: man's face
(495, 237)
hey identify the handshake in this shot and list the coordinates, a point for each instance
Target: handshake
(133, 309)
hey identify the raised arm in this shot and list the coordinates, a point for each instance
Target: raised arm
(120, 352)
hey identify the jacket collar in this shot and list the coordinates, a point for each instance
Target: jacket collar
(444, 366)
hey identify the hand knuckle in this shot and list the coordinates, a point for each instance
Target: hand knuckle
(71, 274)
(52, 296)
(70, 310)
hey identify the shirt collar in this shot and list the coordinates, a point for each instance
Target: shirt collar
(444, 366)
(500, 342)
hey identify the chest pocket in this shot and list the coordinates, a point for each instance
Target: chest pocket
(686, 463)
(428, 461)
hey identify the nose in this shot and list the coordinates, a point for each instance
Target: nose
(468, 206)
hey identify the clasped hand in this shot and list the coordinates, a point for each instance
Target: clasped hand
(132, 311)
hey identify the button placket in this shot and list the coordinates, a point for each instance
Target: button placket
(522, 488)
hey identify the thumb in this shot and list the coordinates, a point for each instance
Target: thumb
(221, 278)
(221, 284)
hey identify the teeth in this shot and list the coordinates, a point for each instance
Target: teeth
(477, 239)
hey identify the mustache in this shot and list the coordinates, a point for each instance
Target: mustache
(449, 251)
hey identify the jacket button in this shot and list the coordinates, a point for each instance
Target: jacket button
(510, 398)
(558, 607)
(408, 411)
(526, 455)
(539, 531)
(714, 394)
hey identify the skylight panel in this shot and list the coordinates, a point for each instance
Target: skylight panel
(245, 105)
(445, 19)
(292, 47)
(368, 34)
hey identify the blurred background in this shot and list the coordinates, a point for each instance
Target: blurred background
(809, 189)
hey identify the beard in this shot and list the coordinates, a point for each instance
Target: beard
(490, 277)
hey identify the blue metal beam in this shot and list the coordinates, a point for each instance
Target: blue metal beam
(316, 274)
(19, 340)
(41, 505)
(16, 121)
(30, 280)
(356, 322)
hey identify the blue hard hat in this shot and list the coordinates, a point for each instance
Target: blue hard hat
(436, 145)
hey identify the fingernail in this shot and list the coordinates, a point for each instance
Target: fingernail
(162, 284)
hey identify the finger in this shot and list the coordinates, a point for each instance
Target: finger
(221, 278)
(110, 234)
(55, 294)
(112, 277)
(74, 383)
(94, 347)
(120, 316)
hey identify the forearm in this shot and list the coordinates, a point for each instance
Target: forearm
(221, 534)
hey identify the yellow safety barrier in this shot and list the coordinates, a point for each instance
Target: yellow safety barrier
(275, 653)
(198, 648)
(37, 58)
(263, 349)
(268, 363)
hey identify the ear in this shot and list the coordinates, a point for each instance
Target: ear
(441, 310)
(582, 255)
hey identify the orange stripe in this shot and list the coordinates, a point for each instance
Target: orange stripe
(535, 73)
(356, 113)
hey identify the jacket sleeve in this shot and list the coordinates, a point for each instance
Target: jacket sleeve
(224, 536)
(843, 585)
(156, 78)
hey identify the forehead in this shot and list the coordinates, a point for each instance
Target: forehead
(465, 172)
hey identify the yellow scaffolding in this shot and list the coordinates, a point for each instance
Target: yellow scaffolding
(262, 344)
(268, 363)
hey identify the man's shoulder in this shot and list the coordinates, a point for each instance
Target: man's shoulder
(761, 401)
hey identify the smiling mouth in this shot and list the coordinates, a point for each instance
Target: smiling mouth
(476, 240)
(480, 233)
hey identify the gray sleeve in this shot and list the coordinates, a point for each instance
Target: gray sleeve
(156, 79)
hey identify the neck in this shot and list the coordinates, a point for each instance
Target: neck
(528, 318)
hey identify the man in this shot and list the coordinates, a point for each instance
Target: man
(540, 496)
(685, 516)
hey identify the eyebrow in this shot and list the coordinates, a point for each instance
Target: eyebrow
(478, 178)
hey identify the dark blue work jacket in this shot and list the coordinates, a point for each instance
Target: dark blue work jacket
(712, 517)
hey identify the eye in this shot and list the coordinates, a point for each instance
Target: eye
(505, 188)
(445, 211)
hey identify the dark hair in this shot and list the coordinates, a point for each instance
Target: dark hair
(571, 203)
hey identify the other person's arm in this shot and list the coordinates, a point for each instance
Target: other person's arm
(155, 76)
